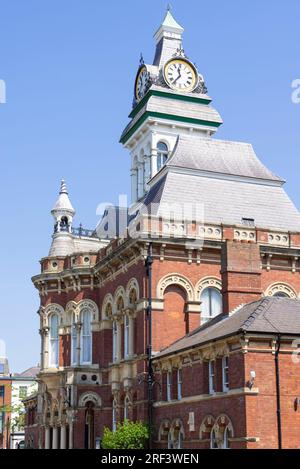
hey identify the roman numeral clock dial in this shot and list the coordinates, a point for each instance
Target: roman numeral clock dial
(141, 83)
(180, 75)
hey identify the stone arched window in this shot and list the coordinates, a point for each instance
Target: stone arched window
(107, 307)
(162, 155)
(164, 429)
(176, 435)
(206, 427)
(53, 340)
(132, 292)
(281, 290)
(221, 433)
(120, 304)
(208, 290)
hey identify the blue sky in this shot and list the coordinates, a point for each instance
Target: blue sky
(69, 68)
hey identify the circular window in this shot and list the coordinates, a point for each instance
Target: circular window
(83, 377)
(54, 265)
(94, 378)
(86, 260)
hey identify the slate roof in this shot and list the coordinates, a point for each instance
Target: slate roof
(220, 156)
(222, 182)
(270, 315)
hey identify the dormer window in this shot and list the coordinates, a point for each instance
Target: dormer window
(162, 155)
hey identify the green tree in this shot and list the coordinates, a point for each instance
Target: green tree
(129, 435)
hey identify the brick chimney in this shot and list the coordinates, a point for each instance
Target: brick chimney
(241, 274)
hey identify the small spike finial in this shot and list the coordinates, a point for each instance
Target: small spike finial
(63, 187)
(169, 7)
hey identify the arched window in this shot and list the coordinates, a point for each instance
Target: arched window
(132, 297)
(175, 438)
(281, 295)
(221, 433)
(54, 341)
(74, 340)
(120, 304)
(86, 337)
(162, 155)
(211, 304)
(115, 341)
(126, 336)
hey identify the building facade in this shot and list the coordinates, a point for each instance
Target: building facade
(210, 228)
(14, 388)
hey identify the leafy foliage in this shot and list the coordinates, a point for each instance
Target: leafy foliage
(129, 435)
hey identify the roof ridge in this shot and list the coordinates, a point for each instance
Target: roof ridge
(262, 306)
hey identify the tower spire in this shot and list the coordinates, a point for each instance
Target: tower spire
(168, 38)
(63, 211)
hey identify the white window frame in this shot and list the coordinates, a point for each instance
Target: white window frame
(53, 340)
(225, 372)
(115, 341)
(210, 314)
(126, 336)
(162, 156)
(169, 386)
(179, 384)
(86, 336)
(211, 376)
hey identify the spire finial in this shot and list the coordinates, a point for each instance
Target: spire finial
(63, 187)
(142, 59)
(169, 7)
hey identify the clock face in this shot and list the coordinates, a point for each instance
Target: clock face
(180, 75)
(141, 83)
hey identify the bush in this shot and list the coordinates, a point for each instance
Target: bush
(129, 435)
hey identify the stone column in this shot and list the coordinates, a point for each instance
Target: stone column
(63, 437)
(119, 340)
(71, 434)
(134, 185)
(45, 345)
(131, 336)
(78, 328)
(153, 162)
(47, 438)
(54, 438)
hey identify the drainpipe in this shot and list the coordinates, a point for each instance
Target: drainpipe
(278, 346)
(148, 264)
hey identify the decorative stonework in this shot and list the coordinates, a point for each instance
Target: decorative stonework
(89, 397)
(207, 282)
(175, 279)
(282, 288)
(242, 234)
(278, 239)
(210, 232)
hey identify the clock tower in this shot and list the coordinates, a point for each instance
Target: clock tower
(170, 100)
